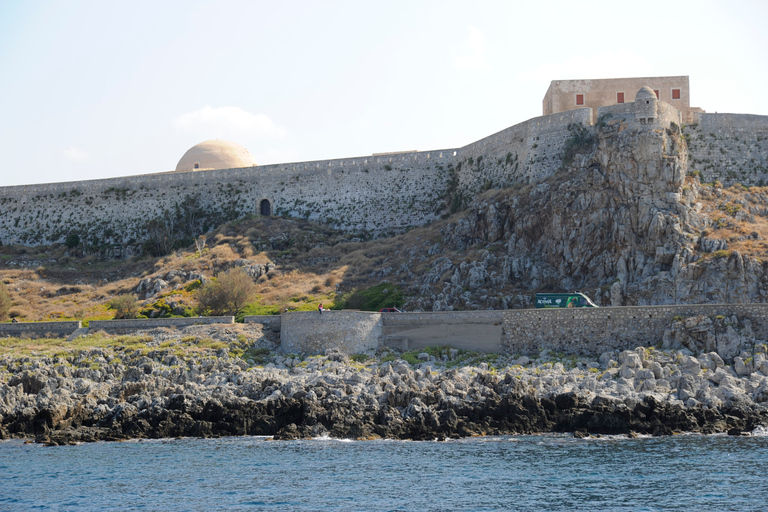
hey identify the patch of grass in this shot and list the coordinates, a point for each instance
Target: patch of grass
(384, 295)
(257, 355)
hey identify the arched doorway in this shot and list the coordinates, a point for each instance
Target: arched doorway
(265, 208)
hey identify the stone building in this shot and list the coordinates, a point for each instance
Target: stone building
(215, 154)
(564, 95)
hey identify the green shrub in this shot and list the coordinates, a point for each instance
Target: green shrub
(227, 295)
(384, 295)
(125, 306)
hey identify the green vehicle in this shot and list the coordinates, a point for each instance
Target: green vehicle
(563, 300)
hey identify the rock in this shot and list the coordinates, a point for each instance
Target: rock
(739, 367)
(690, 365)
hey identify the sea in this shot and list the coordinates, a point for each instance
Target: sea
(541, 472)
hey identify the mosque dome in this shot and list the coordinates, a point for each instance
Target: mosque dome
(645, 93)
(215, 154)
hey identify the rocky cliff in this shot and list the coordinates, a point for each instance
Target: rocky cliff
(627, 220)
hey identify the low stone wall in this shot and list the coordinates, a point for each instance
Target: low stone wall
(310, 332)
(468, 330)
(592, 331)
(271, 321)
(152, 323)
(38, 329)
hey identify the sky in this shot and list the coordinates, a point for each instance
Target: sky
(97, 89)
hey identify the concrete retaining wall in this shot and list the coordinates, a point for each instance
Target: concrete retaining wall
(38, 329)
(469, 330)
(309, 332)
(153, 323)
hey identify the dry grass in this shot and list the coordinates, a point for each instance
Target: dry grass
(739, 216)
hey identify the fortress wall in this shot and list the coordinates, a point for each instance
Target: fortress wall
(526, 152)
(732, 148)
(309, 332)
(592, 331)
(379, 193)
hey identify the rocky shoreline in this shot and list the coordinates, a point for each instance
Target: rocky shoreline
(176, 383)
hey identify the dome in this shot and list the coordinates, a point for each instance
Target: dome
(215, 154)
(645, 93)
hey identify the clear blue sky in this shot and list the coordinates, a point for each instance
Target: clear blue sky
(96, 89)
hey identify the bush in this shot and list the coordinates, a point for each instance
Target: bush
(384, 295)
(5, 302)
(125, 306)
(227, 295)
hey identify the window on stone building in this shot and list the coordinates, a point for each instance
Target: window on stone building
(656, 92)
(675, 94)
(619, 97)
(579, 99)
(197, 165)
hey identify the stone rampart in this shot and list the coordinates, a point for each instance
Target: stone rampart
(592, 331)
(38, 329)
(380, 194)
(310, 332)
(153, 323)
(732, 148)
(525, 152)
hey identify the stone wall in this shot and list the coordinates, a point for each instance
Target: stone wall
(523, 153)
(732, 148)
(592, 331)
(578, 331)
(153, 323)
(38, 329)
(310, 332)
(380, 194)
(271, 321)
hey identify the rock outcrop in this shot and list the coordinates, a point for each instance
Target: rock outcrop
(625, 222)
(120, 393)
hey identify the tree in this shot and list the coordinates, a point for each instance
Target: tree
(227, 295)
(5, 302)
(125, 306)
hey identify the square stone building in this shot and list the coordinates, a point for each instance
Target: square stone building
(565, 95)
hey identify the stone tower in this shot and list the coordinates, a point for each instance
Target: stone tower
(646, 105)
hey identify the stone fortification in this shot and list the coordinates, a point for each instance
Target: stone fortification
(524, 153)
(381, 194)
(731, 148)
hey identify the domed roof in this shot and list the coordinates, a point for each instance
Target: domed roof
(215, 154)
(644, 93)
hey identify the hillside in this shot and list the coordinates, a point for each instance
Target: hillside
(626, 220)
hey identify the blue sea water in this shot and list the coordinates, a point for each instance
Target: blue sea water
(547, 472)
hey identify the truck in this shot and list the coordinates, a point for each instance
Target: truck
(563, 300)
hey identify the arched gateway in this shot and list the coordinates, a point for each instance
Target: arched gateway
(265, 208)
